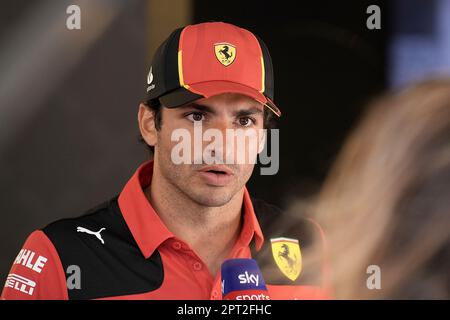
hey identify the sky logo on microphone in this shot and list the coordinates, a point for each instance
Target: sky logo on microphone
(250, 278)
(242, 280)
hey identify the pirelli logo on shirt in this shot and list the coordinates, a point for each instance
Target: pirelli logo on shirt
(20, 283)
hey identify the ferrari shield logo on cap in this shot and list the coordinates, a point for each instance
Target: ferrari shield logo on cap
(225, 53)
(288, 257)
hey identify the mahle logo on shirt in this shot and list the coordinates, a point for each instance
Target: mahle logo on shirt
(30, 260)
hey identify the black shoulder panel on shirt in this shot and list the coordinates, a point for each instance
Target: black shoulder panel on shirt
(113, 268)
(277, 224)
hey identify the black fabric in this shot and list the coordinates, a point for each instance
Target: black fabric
(269, 89)
(171, 63)
(275, 224)
(118, 268)
(114, 268)
(178, 98)
(165, 66)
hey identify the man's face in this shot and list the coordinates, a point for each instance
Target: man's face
(210, 184)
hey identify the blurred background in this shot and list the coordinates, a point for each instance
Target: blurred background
(69, 98)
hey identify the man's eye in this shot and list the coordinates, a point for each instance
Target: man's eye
(196, 116)
(246, 121)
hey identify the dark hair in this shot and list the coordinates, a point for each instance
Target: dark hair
(156, 107)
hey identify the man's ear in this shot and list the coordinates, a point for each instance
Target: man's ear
(146, 122)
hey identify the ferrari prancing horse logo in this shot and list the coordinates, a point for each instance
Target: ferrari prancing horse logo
(288, 257)
(225, 53)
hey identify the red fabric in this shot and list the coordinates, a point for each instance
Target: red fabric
(38, 273)
(185, 274)
(30, 280)
(199, 61)
(202, 72)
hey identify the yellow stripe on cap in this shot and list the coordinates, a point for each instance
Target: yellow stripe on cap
(180, 68)
(180, 61)
(263, 75)
(269, 104)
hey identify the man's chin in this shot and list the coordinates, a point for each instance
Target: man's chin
(212, 198)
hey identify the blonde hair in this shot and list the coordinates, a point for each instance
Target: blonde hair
(386, 201)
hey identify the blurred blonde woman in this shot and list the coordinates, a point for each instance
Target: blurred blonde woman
(386, 201)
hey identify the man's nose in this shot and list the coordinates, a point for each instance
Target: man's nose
(222, 149)
(222, 125)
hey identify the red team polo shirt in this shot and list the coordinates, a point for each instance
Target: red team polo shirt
(123, 250)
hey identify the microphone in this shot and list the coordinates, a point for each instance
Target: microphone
(242, 280)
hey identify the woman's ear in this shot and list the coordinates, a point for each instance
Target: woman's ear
(146, 122)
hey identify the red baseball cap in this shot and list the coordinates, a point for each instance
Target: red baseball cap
(206, 59)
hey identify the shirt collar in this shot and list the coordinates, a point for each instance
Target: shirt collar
(147, 228)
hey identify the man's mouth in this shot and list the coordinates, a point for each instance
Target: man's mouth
(219, 169)
(216, 171)
(216, 175)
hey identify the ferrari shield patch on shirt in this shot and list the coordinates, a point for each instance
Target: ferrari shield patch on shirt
(287, 255)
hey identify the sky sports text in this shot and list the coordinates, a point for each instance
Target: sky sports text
(238, 146)
(249, 296)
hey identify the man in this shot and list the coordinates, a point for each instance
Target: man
(174, 223)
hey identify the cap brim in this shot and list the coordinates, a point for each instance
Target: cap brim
(208, 89)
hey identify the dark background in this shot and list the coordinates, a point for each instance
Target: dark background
(76, 144)
(327, 65)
